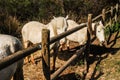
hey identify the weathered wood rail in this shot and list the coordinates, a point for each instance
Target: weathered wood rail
(47, 41)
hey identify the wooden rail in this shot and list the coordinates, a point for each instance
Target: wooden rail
(46, 53)
(23, 53)
(61, 69)
(17, 56)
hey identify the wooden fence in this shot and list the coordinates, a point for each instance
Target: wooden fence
(46, 41)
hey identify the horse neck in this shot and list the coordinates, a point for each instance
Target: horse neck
(52, 27)
(94, 27)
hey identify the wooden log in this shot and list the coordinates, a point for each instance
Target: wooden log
(90, 24)
(23, 53)
(61, 69)
(89, 30)
(116, 13)
(64, 34)
(103, 16)
(89, 35)
(46, 53)
(111, 11)
(100, 15)
(111, 16)
(18, 55)
(117, 7)
(97, 17)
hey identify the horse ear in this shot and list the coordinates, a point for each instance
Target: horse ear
(54, 17)
(100, 22)
(66, 17)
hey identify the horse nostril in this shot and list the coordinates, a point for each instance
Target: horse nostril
(102, 41)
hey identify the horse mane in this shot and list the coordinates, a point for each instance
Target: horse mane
(95, 27)
(53, 24)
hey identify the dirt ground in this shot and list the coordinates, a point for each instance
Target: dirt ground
(103, 63)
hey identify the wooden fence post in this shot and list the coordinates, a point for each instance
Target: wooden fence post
(111, 11)
(103, 16)
(89, 29)
(61, 69)
(111, 16)
(116, 13)
(46, 53)
(89, 34)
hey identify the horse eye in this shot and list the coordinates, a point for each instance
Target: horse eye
(98, 31)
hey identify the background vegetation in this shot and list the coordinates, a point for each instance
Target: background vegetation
(23, 11)
(15, 13)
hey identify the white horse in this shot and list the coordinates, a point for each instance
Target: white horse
(31, 32)
(9, 45)
(81, 35)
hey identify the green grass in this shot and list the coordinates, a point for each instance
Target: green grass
(81, 62)
(112, 29)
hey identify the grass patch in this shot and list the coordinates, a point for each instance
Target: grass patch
(98, 68)
(117, 63)
(81, 62)
(112, 29)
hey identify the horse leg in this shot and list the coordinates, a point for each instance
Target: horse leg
(54, 56)
(25, 46)
(68, 44)
(32, 58)
(61, 47)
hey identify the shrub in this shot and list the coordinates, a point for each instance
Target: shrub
(112, 29)
(9, 25)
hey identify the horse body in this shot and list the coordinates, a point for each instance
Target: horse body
(32, 31)
(9, 45)
(81, 35)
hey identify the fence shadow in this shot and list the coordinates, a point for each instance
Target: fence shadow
(74, 76)
(97, 54)
(91, 74)
(96, 50)
(67, 53)
(113, 38)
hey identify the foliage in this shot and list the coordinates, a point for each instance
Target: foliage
(112, 29)
(9, 25)
(44, 10)
(29, 10)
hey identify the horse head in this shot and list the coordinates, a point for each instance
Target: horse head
(100, 32)
(59, 26)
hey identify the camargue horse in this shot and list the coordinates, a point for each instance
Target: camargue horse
(81, 35)
(31, 32)
(8, 46)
